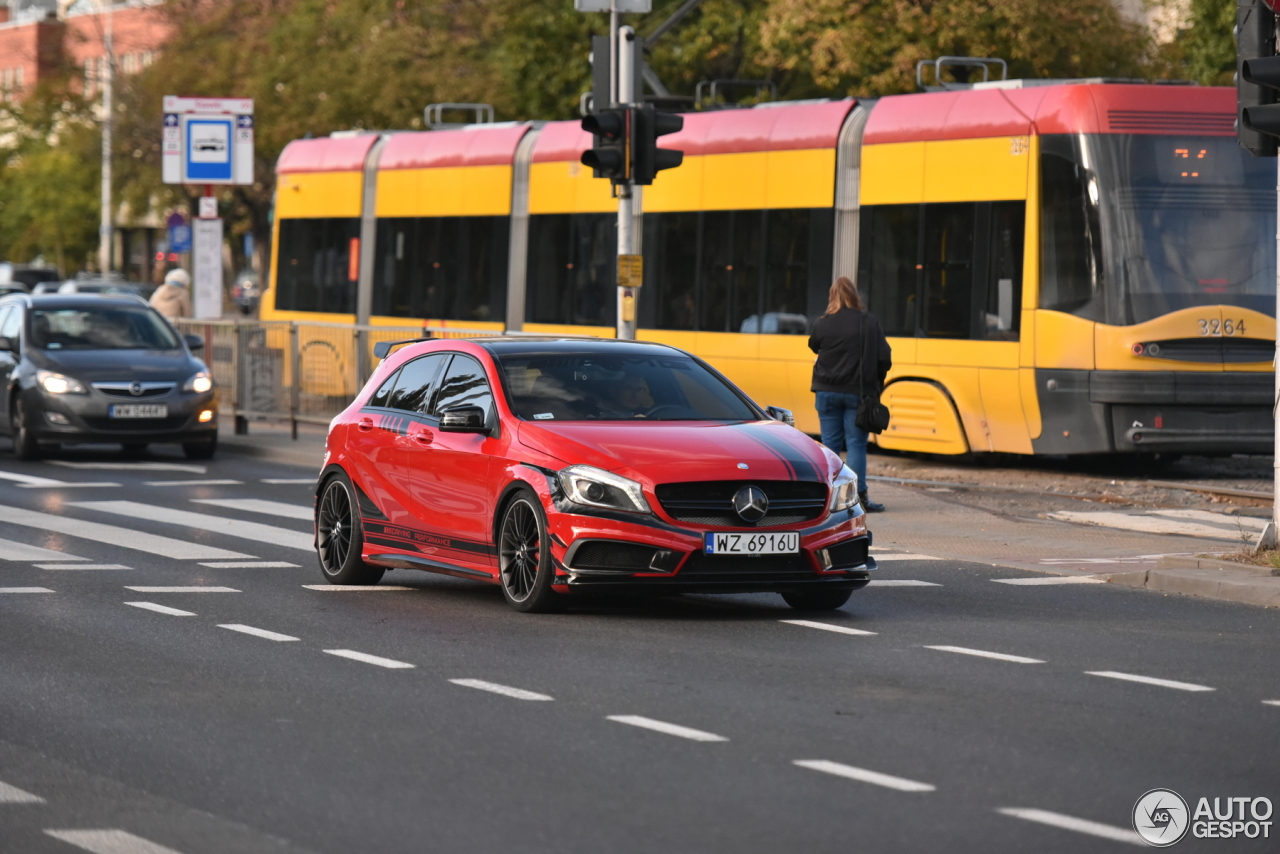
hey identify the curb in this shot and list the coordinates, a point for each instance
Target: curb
(1229, 585)
(1183, 562)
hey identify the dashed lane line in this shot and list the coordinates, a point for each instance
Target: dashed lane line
(289, 481)
(109, 842)
(389, 663)
(504, 690)
(261, 506)
(188, 589)
(114, 536)
(81, 566)
(14, 795)
(862, 775)
(354, 588)
(258, 633)
(254, 531)
(1149, 680)
(668, 729)
(214, 482)
(826, 627)
(161, 609)
(982, 653)
(10, 550)
(1271, 702)
(29, 479)
(892, 557)
(250, 564)
(1051, 580)
(901, 582)
(1079, 825)
(25, 590)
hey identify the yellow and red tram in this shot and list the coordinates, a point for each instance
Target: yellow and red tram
(1063, 268)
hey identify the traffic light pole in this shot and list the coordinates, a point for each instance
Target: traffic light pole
(628, 193)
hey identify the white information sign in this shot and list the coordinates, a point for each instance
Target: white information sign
(207, 261)
(207, 140)
(208, 207)
(641, 6)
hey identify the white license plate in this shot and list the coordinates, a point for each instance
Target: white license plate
(776, 543)
(139, 410)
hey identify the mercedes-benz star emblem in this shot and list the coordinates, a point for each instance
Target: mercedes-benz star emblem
(751, 503)
(135, 388)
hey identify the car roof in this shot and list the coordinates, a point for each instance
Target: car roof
(529, 346)
(71, 301)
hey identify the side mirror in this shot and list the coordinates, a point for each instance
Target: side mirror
(8, 345)
(194, 342)
(777, 413)
(462, 419)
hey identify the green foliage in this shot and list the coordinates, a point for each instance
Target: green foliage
(1208, 46)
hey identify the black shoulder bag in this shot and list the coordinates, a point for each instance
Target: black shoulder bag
(873, 416)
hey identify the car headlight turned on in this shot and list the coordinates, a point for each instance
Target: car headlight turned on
(200, 383)
(59, 384)
(844, 491)
(593, 487)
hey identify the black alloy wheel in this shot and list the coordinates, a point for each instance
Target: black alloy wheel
(202, 450)
(523, 559)
(25, 446)
(339, 539)
(817, 600)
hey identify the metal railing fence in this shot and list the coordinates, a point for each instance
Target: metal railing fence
(298, 371)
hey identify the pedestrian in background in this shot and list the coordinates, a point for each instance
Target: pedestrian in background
(173, 298)
(853, 359)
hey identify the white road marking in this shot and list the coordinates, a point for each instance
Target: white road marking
(353, 588)
(982, 653)
(260, 633)
(259, 505)
(10, 550)
(187, 467)
(114, 536)
(1227, 519)
(81, 566)
(29, 479)
(218, 482)
(669, 729)
(1149, 680)
(25, 590)
(255, 531)
(1079, 825)
(1051, 579)
(826, 627)
(60, 484)
(901, 582)
(109, 842)
(893, 557)
(495, 688)
(1146, 524)
(864, 776)
(1271, 702)
(310, 481)
(250, 564)
(14, 795)
(161, 609)
(182, 589)
(370, 659)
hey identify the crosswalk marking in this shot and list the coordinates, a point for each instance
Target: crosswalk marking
(389, 663)
(504, 690)
(291, 481)
(862, 775)
(354, 588)
(254, 531)
(826, 627)
(1050, 580)
(1149, 680)
(29, 479)
(892, 557)
(219, 482)
(258, 633)
(1079, 825)
(161, 609)
(10, 550)
(250, 564)
(114, 536)
(982, 653)
(188, 589)
(664, 727)
(81, 566)
(109, 842)
(25, 590)
(901, 582)
(259, 505)
(193, 468)
(14, 795)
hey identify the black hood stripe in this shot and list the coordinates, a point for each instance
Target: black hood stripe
(801, 467)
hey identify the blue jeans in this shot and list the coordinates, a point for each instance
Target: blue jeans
(837, 413)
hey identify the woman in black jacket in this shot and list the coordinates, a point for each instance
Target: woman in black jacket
(850, 345)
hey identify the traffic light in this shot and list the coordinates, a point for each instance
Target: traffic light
(610, 154)
(1257, 78)
(649, 159)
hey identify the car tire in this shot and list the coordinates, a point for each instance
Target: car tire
(25, 446)
(203, 450)
(817, 600)
(340, 536)
(525, 569)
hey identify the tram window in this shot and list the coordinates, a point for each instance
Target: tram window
(314, 272)
(447, 268)
(797, 270)
(1070, 247)
(1004, 277)
(732, 252)
(669, 298)
(948, 270)
(572, 269)
(888, 259)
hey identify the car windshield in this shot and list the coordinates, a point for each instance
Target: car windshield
(602, 387)
(107, 328)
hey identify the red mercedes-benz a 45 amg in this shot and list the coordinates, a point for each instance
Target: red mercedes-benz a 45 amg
(553, 467)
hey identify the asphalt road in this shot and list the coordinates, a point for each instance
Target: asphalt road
(256, 713)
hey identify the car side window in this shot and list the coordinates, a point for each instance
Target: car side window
(383, 394)
(414, 384)
(11, 326)
(464, 384)
(4, 316)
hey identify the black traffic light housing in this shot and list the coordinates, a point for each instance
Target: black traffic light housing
(610, 154)
(649, 124)
(1257, 78)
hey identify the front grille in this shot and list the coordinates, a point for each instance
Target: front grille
(122, 389)
(603, 554)
(136, 425)
(1171, 122)
(849, 553)
(710, 502)
(722, 566)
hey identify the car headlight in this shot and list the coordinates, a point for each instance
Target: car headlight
(200, 383)
(844, 491)
(59, 384)
(593, 487)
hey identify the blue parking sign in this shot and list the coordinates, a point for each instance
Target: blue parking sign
(180, 238)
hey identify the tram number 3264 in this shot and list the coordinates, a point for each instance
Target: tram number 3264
(1214, 326)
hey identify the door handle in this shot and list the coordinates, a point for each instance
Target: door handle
(423, 437)
(365, 424)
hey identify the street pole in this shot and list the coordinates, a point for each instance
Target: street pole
(624, 73)
(1270, 535)
(105, 235)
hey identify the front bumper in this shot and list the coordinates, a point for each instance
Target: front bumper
(87, 418)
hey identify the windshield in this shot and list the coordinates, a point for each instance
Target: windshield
(1136, 226)
(600, 387)
(101, 329)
